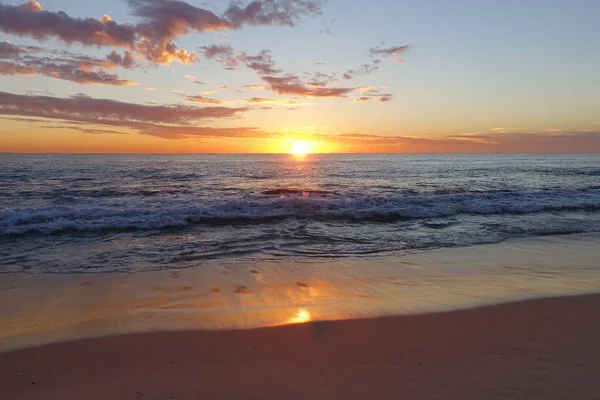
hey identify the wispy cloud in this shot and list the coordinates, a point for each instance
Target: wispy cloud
(203, 100)
(388, 51)
(109, 112)
(292, 85)
(279, 102)
(62, 64)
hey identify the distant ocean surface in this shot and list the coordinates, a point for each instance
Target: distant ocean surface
(128, 213)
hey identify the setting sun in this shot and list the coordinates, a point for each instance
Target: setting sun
(302, 316)
(300, 147)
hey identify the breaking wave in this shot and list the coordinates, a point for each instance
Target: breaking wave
(166, 213)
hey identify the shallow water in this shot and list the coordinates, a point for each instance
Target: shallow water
(107, 213)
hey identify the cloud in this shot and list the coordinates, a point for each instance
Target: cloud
(31, 6)
(11, 51)
(161, 23)
(255, 87)
(272, 12)
(126, 60)
(166, 20)
(67, 66)
(223, 54)
(388, 51)
(190, 77)
(362, 99)
(291, 84)
(576, 142)
(30, 20)
(223, 87)
(210, 92)
(278, 102)
(203, 100)
(7, 68)
(109, 112)
(187, 132)
(262, 64)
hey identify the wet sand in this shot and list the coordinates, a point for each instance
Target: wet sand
(538, 349)
(37, 309)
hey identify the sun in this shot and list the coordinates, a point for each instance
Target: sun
(303, 315)
(300, 147)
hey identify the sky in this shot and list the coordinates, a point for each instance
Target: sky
(271, 76)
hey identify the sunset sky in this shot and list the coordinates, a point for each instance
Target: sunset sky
(338, 75)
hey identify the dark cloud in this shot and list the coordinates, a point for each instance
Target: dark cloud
(126, 60)
(223, 54)
(166, 20)
(272, 12)
(262, 64)
(30, 20)
(291, 84)
(11, 51)
(62, 65)
(109, 112)
(70, 72)
(162, 22)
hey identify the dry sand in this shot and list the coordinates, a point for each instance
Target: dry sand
(538, 349)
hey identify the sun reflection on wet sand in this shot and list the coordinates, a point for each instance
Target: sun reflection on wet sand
(302, 316)
(55, 307)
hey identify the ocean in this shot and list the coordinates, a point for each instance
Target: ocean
(130, 213)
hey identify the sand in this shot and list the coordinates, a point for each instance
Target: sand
(537, 349)
(37, 309)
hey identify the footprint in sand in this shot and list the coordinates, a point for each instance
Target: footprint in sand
(215, 289)
(253, 271)
(302, 284)
(241, 289)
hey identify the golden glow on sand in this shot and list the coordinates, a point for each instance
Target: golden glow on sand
(302, 316)
(300, 147)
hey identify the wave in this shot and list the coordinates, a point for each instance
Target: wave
(176, 213)
(299, 192)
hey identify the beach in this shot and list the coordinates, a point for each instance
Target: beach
(538, 349)
(518, 319)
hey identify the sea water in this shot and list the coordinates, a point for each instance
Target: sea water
(129, 213)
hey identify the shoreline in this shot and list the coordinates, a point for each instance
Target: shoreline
(47, 308)
(534, 349)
